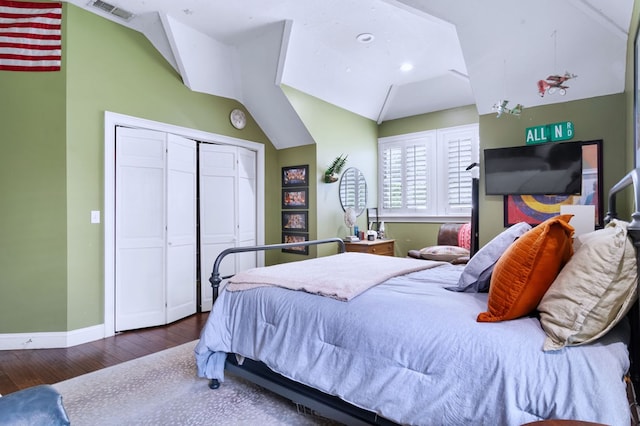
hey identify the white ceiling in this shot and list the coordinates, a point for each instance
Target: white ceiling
(464, 52)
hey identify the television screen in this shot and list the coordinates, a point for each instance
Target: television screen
(549, 168)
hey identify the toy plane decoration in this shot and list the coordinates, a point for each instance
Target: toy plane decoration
(502, 108)
(554, 83)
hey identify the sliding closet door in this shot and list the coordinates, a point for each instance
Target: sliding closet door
(181, 227)
(218, 207)
(140, 229)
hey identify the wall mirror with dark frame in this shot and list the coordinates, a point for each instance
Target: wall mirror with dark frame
(353, 190)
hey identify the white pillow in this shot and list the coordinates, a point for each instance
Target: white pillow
(476, 276)
(443, 253)
(593, 291)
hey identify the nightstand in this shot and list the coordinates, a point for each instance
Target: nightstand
(381, 247)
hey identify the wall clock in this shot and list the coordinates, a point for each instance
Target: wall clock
(238, 118)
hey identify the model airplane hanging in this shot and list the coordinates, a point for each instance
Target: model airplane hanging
(502, 108)
(555, 83)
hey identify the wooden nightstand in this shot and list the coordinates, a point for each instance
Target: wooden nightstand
(381, 247)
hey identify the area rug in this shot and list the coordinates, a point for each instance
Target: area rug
(163, 389)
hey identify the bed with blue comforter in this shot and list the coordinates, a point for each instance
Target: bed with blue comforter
(538, 325)
(412, 351)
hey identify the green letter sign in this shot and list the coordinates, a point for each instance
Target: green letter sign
(549, 133)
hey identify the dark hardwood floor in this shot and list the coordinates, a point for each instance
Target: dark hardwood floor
(20, 369)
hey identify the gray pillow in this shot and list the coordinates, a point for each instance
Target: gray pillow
(476, 276)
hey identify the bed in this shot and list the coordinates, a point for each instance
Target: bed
(429, 345)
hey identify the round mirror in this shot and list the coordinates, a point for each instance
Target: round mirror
(353, 190)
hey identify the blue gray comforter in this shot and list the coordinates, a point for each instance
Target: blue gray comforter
(412, 352)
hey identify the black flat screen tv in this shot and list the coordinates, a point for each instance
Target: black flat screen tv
(544, 169)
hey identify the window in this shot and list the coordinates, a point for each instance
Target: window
(423, 176)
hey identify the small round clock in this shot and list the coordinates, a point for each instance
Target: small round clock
(238, 118)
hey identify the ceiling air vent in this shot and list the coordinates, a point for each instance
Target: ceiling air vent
(111, 9)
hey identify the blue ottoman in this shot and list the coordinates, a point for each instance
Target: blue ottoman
(35, 406)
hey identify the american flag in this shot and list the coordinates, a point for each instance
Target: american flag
(30, 36)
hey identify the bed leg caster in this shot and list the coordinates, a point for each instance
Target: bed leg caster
(214, 384)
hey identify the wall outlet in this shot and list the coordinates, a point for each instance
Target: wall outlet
(95, 216)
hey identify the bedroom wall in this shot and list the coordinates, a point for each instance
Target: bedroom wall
(336, 131)
(596, 118)
(52, 274)
(125, 75)
(33, 246)
(51, 158)
(296, 157)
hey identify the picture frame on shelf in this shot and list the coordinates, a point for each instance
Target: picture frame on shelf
(294, 198)
(289, 237)
(295, 221)
(535, 209)
(295, 176)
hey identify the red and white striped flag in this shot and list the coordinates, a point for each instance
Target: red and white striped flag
(30, 36)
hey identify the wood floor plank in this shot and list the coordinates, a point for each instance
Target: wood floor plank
(20, 369)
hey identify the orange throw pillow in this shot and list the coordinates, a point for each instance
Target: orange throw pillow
(525, 271)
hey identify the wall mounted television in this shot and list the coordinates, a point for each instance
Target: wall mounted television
(544, 169)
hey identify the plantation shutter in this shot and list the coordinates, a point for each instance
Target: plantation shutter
(459, 157)
(416, 177)
(392, 178)
(423, 175)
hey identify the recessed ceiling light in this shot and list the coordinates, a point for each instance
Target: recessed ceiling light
(406, 67)
(365, 38)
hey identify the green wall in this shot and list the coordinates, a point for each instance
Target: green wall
(33, 246)
(52, 157)
(434, 120)
(336, 132)
(596, 118)
(51, 153)
(125, 75)
(298, 156)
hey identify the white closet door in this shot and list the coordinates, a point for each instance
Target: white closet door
(218, 207)
(247, 207)
(181, 227)
(140, 229)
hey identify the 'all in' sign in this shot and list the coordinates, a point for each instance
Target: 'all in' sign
(550, 133)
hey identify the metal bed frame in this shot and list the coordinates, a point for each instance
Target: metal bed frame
(334, 408)
(632, 178)
(305, 397)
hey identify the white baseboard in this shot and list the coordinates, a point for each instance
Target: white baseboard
(57, 339)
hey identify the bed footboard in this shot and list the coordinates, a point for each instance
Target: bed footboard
(216, 279)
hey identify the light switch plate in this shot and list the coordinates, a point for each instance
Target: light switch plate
(95, 216)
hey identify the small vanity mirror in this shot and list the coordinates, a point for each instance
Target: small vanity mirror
(353, 190)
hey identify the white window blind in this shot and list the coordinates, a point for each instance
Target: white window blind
(423, 175)
(392, 178)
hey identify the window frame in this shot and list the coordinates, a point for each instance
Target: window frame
(437, 208)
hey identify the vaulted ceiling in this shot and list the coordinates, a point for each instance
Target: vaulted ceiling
(350, 52)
